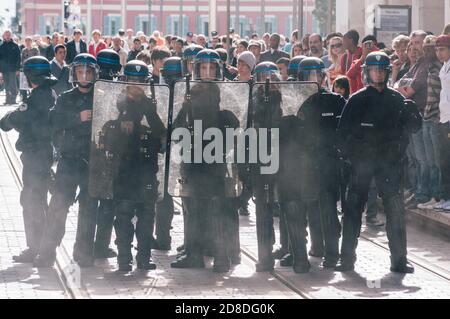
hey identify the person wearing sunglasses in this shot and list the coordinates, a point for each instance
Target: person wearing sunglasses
(336, 51)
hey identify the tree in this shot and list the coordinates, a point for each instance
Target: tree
(321, 14)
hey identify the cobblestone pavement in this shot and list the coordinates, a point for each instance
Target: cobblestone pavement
(371, 278)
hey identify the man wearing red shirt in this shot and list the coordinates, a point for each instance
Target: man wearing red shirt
(353, 52)
(354, 73)
(97, 44)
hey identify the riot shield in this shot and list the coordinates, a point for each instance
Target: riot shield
(292, 95)
(129, 127)
(273, 104)
(209, 119)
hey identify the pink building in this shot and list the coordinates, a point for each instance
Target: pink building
(44, 16)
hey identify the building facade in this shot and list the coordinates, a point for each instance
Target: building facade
(428, 15)
(169, 16)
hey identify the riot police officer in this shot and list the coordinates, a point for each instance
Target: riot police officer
(206, 201)
(293, 67)
(70, 120)
(30, 119)
(321, 113)
(373, 136)
(189, 55)
(170, 73)
(109, 63)
(266, 114)
(134, 149)
(282, 253)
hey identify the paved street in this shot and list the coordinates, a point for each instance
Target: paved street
(371, 278)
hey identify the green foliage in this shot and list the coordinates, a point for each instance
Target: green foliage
(321, 14)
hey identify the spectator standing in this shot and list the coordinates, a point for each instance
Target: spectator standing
(354, 73)
(274, 53)
(353, 51)
(430, 125)
(97, 43)
(417, 91)
(60, 70)
(443, 54)
(400, 64)
(137, 47)
(117, 46)
(336, 51)
(76, 46)
(296, 49)
(9, 66)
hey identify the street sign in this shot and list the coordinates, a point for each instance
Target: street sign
(390, 21)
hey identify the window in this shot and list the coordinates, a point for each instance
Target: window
(175, 27)
(49, 24)
(202, 24)
(141, 23)
(111, 24)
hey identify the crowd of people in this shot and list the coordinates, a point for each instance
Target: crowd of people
(413, 67)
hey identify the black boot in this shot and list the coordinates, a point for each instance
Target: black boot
(145, 262)
(235, 259)
(345, 265)
(265, 265)
(104, 253)
(287, 260)
(221, 265)
(44, 260)
(26, 256)
(401, 265)
(301, 266)
(189, 261)
(296, 226)
(279, 253)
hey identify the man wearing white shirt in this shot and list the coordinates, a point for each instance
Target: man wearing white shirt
(117, 42)
(60, 70)
(443, 54)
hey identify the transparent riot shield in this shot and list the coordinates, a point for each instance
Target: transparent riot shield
(128, 140)
(209, 119)
(292, 96)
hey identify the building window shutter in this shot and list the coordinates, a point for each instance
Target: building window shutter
(137, 23)
(259, 26)
(289, 26)
(185, 28)
(154, 23)
(41, 25)
(106, 29)
(198, 24)
(169, 25)
(275, 24)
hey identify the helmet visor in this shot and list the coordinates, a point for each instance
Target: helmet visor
(312, 75)
(273, 76)
(207, 70)
(376, 74)
(136, 79)
(83, 73)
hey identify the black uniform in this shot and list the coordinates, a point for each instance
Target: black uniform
(133, 154)
(73, 139)
(31, 121)
(373, 136)
(266, 114)
(298, 178)
(207, 205)
(321, 113)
